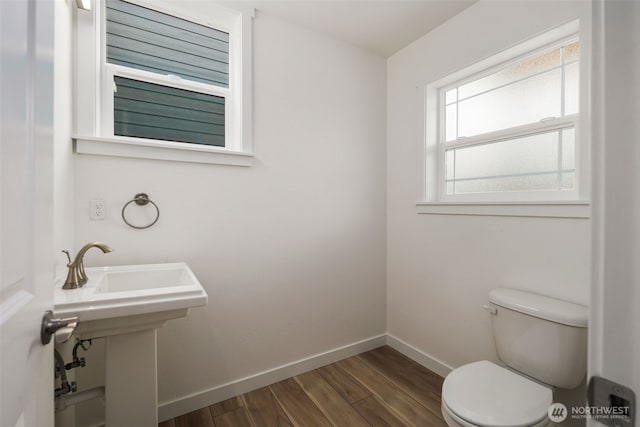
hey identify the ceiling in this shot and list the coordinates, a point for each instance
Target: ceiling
(380, 26)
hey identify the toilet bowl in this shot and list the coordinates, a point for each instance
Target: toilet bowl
(485, 394)
(542, 340)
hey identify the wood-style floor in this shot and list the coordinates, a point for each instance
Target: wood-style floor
(378, 388)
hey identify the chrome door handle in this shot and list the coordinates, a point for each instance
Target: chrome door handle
(63, 327)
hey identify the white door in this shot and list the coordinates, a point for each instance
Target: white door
(614, 340)
(26, 199)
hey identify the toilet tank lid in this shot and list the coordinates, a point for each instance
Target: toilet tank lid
(552, 309)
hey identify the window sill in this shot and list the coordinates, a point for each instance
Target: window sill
(578, 209)
(160, 150)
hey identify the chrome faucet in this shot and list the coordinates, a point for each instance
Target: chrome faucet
(76, 276)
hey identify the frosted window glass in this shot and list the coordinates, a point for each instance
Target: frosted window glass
(568, 159)
(451, 96)
(569, 181)
(572, 52)
(526, 101)
(512, 73)
(522, 93)
(530, 154)
(568, 149)
(450, 187)
(514, 183)
(519, 164)
(572, 88)
(450, 164)
(451, 122)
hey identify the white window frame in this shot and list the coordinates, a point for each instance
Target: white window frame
(94, 128)
(560, 203)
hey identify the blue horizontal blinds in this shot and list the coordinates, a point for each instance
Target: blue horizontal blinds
(148, 110)
(142, 38)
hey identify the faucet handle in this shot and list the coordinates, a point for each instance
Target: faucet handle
(68, 256)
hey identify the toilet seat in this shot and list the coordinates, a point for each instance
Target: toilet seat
(485, 394)
(453, 420)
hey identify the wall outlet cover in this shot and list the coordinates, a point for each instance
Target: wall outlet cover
(98, 209)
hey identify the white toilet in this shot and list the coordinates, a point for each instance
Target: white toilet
(542, 340)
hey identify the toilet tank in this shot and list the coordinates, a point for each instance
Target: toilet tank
(542, 337)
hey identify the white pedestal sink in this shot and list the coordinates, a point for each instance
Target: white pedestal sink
(125, 305)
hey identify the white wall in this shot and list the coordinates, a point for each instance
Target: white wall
(440, 268)
(63, 179)
(615, 340)
(291, 250)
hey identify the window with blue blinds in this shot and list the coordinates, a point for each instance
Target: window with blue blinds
(145, 39)
(148, 110)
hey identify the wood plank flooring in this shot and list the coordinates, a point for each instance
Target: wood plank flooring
(381, 387)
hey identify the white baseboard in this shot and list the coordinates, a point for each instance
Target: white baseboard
(426, 360)
(172, 409)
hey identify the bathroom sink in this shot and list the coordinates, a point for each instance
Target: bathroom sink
(126, 305)
(128, 298)
(121, 280)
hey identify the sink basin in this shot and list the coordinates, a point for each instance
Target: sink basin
(121, 280)
(132, 297)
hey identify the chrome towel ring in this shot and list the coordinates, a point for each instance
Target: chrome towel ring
(140, 199)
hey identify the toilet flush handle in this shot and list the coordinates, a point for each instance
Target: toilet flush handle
(490, 308)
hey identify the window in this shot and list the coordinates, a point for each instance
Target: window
(148, 110)
(508, 129)
(182, 76)
(513, 129)
(155, 81)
